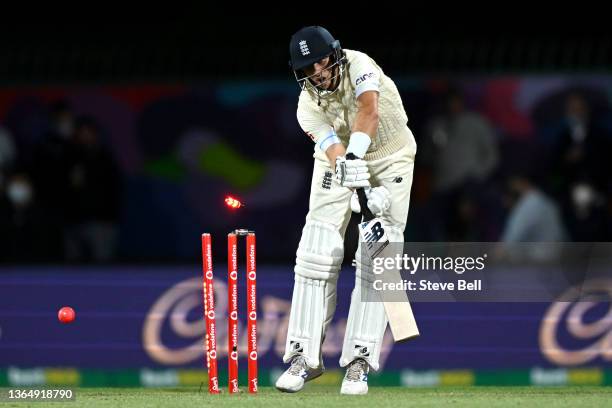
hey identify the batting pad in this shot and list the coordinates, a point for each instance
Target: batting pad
(320, 252)
(312, 307)
(318, 260)
(367, 319)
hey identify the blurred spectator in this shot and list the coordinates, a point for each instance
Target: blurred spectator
(460, 149)
(93, 197)
(579, 178)
(27, 234)
(460, 146)
(456, 192)
(582, 147)
(51, 161)
(533, 216)
(586, 214)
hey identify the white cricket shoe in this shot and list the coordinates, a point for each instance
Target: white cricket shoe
(297, 375)
(356, 378)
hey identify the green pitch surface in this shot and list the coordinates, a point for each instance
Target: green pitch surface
(328, 396)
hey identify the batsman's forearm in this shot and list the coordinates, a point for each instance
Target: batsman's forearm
(366, 121)
(333, 152)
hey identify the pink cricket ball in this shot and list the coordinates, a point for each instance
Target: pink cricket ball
(66, 314)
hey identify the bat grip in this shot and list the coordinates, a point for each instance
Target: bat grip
(361, 195)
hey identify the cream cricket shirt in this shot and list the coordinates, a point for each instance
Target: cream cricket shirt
(334, 118)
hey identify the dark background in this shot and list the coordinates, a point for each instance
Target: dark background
(194, 42)
(172, 65)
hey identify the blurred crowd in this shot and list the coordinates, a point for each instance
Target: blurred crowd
(62, 194)
(59, 198)
(480, 187)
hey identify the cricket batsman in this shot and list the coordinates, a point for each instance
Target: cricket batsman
(347, 105)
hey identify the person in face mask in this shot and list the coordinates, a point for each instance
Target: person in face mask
(587, 213)
(27, 234)
(19, 191)
(579, 175)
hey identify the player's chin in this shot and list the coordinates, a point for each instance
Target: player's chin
(325, 86)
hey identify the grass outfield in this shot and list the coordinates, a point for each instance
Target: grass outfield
(328, 396)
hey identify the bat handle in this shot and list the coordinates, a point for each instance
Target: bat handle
(361, 195)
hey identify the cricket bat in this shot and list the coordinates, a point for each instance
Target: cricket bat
(374, 238)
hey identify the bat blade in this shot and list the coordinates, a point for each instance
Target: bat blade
(397, 306)
(401, 320)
